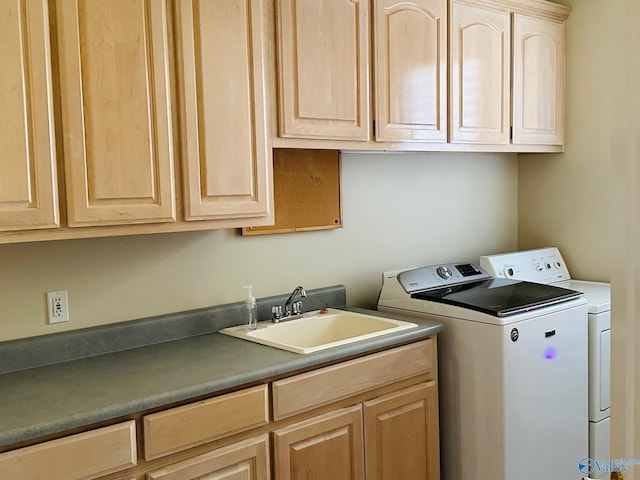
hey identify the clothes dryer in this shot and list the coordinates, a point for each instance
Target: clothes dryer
(546, 265)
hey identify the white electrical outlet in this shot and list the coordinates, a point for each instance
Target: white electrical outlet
(58, 306)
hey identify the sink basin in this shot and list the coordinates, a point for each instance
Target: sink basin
(318, 330)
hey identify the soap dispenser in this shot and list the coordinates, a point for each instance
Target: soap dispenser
(252, 308)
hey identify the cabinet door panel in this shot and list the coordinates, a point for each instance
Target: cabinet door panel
(401, 435)
(538, 81)
(411, 70)
(227, 156)
(247, 460)
(28, 191)
(480, 74)
(323, 48)
(328, 446)
(116, 111)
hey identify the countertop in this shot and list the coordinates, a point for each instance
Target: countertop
(51, 399)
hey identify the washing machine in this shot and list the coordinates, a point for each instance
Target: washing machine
(512, 370)
(546, 265)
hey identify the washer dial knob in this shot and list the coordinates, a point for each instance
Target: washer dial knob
(444, 272)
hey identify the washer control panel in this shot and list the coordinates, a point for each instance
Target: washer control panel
(543, 265)
(438, 276)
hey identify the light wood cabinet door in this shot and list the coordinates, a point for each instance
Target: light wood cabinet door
(226, 151)
(480, 46)
(116, 114)
(326, 447)
(401, 435)
(538, 80)
(323, 66)
(410, 45)
(28, 191)
(247, 460)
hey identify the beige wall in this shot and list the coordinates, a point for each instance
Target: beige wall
(399, 210)
(565, 200)
(623, 68)
(586, 200)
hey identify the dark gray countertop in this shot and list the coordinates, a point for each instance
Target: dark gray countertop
(49, 399)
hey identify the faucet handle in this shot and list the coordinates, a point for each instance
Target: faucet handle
(297, 307)
(276, 312)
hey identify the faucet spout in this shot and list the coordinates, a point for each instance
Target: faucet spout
(297, 306)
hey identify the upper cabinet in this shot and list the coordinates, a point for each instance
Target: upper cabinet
(28, 191)
(323, 68)
(507, 72)
(161, 111)
(484, 75)
(480, 74)
(226, 150)
(538, 80)
(116, 114)
(410, 46)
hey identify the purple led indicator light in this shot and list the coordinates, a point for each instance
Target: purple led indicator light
(550, 353)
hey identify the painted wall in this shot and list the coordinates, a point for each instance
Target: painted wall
(586, 201)
(399, 211)
(566, 200)
(620, 29)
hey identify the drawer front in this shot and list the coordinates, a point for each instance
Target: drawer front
(184, 427)
(78, 457)
(320, 387)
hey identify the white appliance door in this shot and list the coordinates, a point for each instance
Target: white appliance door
(599, 366)
(546, 395)
(599, 436)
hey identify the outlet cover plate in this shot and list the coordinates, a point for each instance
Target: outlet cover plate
(57, 306)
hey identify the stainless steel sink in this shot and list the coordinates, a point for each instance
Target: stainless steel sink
(319, 330)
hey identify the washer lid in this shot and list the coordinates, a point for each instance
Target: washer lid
(499, 297)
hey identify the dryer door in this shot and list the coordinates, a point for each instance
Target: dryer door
(599, 366)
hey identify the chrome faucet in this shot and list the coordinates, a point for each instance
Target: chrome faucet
(290, 309)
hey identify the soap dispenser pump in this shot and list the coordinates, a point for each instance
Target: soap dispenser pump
(252, 308)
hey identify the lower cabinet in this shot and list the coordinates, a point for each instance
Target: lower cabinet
(391, 437)
(402, 435)
(247, 460)
(326, 447)
(369, 418)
